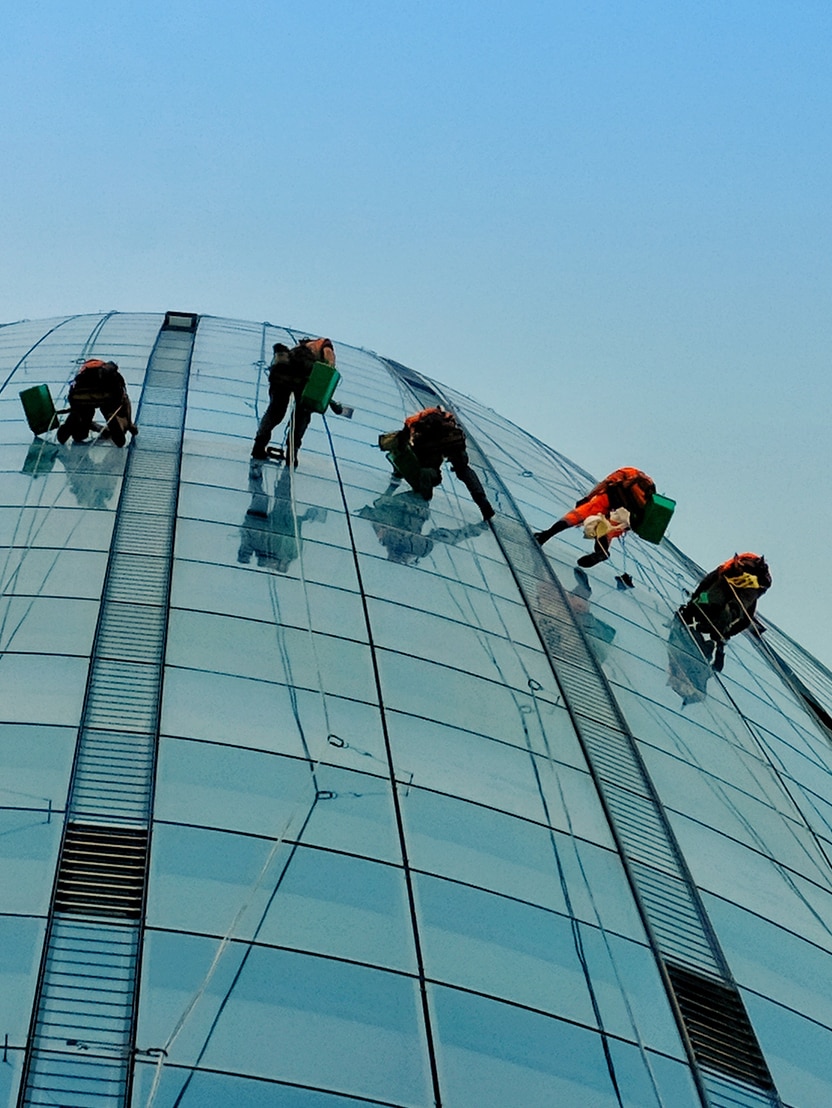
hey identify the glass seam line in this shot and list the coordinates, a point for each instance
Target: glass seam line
(528, 562)
(102, 823)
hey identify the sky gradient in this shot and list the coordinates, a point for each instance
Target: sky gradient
(610, 221)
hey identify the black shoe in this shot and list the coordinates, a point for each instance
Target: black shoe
(590, 560)
(624, 581)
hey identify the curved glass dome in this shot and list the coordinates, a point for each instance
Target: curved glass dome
(317, 795)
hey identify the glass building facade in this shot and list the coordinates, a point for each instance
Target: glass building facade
(316, 795)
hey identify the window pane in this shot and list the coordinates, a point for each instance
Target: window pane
(296, 897)
(58, 685)
(496, 945)
(294, 1017)
(216, 1090)
(492, 1055)
(272, 796)
(21, 941)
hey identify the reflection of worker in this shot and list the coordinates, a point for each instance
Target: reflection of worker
(269, 533)
(614, 506)
(288, 375)
(688, 668)
(398, 519)
(552, 615)
(433, 436)
(92, 473)
(98, 384)
(724, 602)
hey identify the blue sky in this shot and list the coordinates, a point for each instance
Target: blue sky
(609, 220)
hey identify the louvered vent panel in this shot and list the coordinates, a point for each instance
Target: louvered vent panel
(719, 1029)
(137, 579)
(102, 871)
(131, 631)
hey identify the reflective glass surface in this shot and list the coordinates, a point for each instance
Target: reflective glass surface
(373, 799)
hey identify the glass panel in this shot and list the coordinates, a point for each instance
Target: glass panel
(57, 527)
(753, 881)
(29, 842)
(44, 572)
(272, 796)
(442, 567)
(10, 1074)
(247, 648)
(240, 712)
(294, 1017)
(454, 698)
(798, 1052)
(492, 1054)
(35, 764)
(295, 897)
(34, 625)
(496, 945)
(456, 839)
(630, 993)
(649, 1080)
(42, 688)
(187, 1089)
(733, 812)
(21, 942)
(774, 961)
(435, 757)
(265, 596)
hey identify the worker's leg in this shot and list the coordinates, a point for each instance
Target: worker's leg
(596, 505)
(599, 554)
(117, 424)
(297, 429)
(78, 423)
(473, 484)
(278, 403)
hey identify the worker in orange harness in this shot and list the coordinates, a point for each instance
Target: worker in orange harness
(614, 506)
(288, 374)
(434, 436)
(98, 384)
(724, 603)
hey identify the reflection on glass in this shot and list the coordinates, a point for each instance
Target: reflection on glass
(92, 472)
(598, 633)
(398, 519)
(271, 529)
(688, 669)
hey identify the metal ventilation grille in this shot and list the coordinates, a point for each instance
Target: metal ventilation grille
(102, 871)
(720, 1033)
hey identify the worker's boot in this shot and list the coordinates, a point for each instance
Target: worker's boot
(599, 554)
(556, 528)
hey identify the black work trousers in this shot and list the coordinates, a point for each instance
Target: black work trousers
(279, 395)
